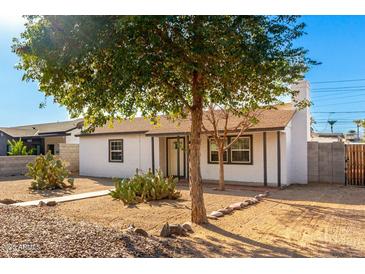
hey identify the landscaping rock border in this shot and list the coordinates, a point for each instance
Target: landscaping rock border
(214, 215)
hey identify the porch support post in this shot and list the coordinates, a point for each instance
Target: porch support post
(178, 157)
(187, 156)
(265, 157)
(153, 153)
(279, 157)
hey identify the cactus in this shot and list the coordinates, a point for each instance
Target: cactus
(48, 173)
(145, 187)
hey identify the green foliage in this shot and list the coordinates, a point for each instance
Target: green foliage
(18, 148)
(148, 63)
(145, 187)
(49, 173)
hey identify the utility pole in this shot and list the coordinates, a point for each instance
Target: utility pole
(358, 125)
(332, 122)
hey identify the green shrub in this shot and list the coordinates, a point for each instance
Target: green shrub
(145, 187)
(48, 173)
(18, 148)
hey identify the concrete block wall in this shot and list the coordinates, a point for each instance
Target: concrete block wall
(326, 162)
(70, 154)
(15, 165)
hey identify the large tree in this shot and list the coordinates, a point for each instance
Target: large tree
(107, 67)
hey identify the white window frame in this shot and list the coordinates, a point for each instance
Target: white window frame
(116, 150)
(249, 149)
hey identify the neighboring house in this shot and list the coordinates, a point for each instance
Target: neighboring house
(273, 152)
(42, 137)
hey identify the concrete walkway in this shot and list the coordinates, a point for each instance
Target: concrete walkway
(67, 198)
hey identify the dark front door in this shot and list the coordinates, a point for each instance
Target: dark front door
(50, 148)
(175, 157)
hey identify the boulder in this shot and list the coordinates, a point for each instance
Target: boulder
(216, 214)
(236, 206)
(165, 231)
(177, 230)
(260, 196)
(244, 204)
(41, 204)
(226, 210)
(187, 227)
(51, 203)
(252, 201)
(141, 232)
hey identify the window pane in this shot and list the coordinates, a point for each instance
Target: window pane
(241, 143)
(116, 145)
(116, 156)
(213, 146)
(240, 156)
(214, 156)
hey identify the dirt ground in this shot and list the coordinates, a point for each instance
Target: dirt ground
(17, 188)
(316, 220)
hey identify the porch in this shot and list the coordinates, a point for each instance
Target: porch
(264, 160)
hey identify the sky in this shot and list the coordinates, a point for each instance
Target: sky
(335, 41)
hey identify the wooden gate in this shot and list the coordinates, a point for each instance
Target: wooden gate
(355, 164)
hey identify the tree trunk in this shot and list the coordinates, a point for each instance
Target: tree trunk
(221, 168)
(198, 213)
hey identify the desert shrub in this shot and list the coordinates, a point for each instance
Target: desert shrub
(145, 187)
(48, 173)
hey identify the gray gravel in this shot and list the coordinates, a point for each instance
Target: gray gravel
(39, 232)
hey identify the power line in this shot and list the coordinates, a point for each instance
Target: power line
(339, 103)
(331, 88)
(355, 111)
(339, 81)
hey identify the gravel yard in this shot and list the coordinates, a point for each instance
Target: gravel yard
(38, 232)
(17, 188)
(301, 221)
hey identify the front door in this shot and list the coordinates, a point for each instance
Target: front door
(175, 157)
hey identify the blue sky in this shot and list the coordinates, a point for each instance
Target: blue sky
(336, 41)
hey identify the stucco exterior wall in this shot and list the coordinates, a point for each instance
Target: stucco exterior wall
(251, 173)
(94, 155)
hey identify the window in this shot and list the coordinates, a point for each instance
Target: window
(213, 155)
(239, 153)
(240, 150)
(116, 150)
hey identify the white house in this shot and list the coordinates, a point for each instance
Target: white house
(273, 152)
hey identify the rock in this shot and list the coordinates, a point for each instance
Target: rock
(216, 214)
(244, 204)
(212, 217)
(187, 227)
(252, 201)
(165, 231)
(226, 210)
(236, 206)
(141, 232)
(260, 196)
(41, 204)
(177, 230)
(51, 203)
(7, 201)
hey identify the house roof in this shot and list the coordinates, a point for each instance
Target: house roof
(42, 129)
(269, 119)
